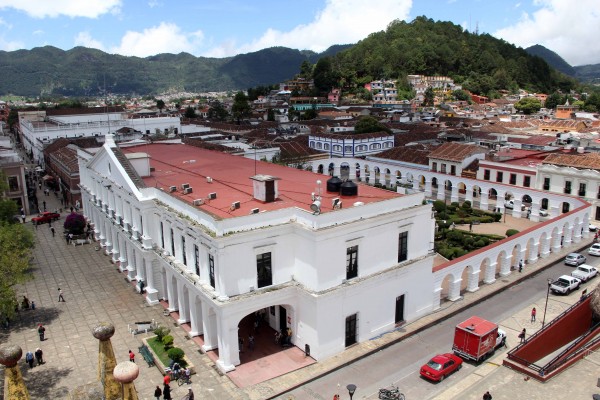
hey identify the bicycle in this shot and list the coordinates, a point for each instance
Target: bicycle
(391, 394)
(183, 378)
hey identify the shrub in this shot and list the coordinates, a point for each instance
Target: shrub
(161, 331)
(511, 232)
(466, 205)
(167, 341)
(75, 223)
(480, 243)
(176, 354)
(439, 206)
(455, 204)
(497, 217)
(443, 215)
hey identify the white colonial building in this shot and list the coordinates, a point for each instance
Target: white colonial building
(221, 237)
(37, 129)
(344, 144)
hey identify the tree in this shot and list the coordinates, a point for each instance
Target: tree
(323, 75)
(528, 105)
(217, 111)
(428, 101)
(369, 125)
(553, 100)
(270, 114)
(240, 108)
(189, 112)
(306, 69)
(16, 243)
(160, 105)
(461, 95)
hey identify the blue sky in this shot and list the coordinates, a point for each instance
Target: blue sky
(228, 27)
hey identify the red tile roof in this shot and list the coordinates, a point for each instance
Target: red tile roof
(580, 161)
(176, 164)
(455, 151)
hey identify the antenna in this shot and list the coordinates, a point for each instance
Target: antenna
(316, 204)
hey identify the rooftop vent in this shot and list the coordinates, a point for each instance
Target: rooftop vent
(212, 196)
(185, 186)
(172, 189)
(209, 179)
(349, 188)
(235, 205)
(187, 190)
(254, 211)
(198, 202)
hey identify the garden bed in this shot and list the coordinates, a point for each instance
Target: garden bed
(161, 358)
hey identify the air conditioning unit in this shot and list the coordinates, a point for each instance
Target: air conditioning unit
(208, 179)
(254, 211)
(172, 188)
(198, 202)
(187, 190)
(185, 186)
(235, 205)
(212, 195)
(335, 202)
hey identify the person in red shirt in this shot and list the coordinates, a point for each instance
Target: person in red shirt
(131, 356)
(167, 379)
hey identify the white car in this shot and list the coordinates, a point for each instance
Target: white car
(584, 272)
(543, 213)
(593, 228)
(594, 250)
(575, 259)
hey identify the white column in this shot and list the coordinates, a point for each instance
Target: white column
(473, 281)
(505, 267)
(182, 300)
(454, 195)
(428, 190)
(152, 267)
(556, 246)
(195, 315)
(171, 293)
(228, 349)
(490, 273)
(533, 253)
(209, 323)
(483, 201)
(545, 250)
(454, 290)
(567, 236)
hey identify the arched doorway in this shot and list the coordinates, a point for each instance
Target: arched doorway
(344, 171)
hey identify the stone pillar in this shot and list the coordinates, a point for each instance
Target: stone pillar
(535, 213)
(183, 302)
(490, 273)
(428, 190)
(209, 323)
(545, 249)
(554, 211)
(441, 192)
(125, 373)
(151, 291)
(577, 232)
(107, 361)
(533, 253)
(505, 267)
(123, 256)
(10, 355)
(567, 236)
(454, 194)
(469, 195)
(437, 293)
(556, 246)
(454, 290)
(228, 350)
(483, 201)
(195, 315)
(171, 294)
(473, 281)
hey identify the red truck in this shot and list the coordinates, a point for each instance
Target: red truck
(477, 339)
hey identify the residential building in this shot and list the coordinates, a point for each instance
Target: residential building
(452, 157)
(342, 144)
(11, 164)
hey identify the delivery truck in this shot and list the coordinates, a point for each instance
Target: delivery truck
(476, 339)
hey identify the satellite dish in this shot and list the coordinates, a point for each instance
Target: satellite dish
(316, 206)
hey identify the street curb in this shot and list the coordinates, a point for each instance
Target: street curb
(459, 309)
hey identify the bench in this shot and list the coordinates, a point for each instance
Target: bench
(80, 241)
(142, 327)
(145, 352)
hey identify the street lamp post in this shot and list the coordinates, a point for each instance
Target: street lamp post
(546, 306)
(351, 389)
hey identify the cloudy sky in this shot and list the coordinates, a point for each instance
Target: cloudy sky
(220, 28)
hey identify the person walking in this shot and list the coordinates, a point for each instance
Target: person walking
(487, 396)
(29, 358)
(251, 342)
(131, 356)
(157, 392)
(522, 335)
(39, 356)
(533, 313)
(44, 204)
(190, 395)
(52, 230)
(41, 332)
(167, 392)
(520, 265)
(60, 296)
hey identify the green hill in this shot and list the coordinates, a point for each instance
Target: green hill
(553, 59)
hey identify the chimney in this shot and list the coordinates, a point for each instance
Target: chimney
(265, 188)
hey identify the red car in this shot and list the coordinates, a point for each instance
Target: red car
(441, 366)
(45, 217)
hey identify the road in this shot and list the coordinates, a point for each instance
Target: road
(400, 363)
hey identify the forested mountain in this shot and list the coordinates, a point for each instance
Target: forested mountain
(553, 59)
(481, 63)
(86, 72)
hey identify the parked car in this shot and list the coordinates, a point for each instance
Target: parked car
(565, 284)
(575, 259)
(441, 366)
(593, 228)
(44, 217)
(584, 272)
(594, 250)
(510, 204)
(543, 213)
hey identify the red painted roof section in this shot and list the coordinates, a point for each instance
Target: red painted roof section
(176, 164)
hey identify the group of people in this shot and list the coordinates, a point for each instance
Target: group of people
(39, 357)
(166, 393)
(284, 338)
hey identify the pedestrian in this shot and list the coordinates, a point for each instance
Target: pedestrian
(487, 396)
(131, 356)
(256, 326)
(522, 335)
(583, 294)
(23, 217)
(471, 226)
(241, 344)
(251, 342)
(60, 296)
(167, 379)
(52, 230)
(44, 204)
(29, 359)
(277, 337)
(336, 397)
(190, 395)
(70, 236)
(39, 356)
(141, 286)
(41, 332)
(157, 392)
(167, 392)
(520, 265)
(533, 312)
(67, 238)
(32, 305)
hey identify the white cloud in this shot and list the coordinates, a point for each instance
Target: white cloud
(567, 28)
(68, 8)
(8, 45)
(154, 3)
(37, 32)
(86, 40)
(165, 38)
(340, 22)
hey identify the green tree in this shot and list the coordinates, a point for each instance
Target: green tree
(369, 124)
(553, 100)
(428, 101)
(528, 105)
(189, 112)
(270, 114)
(323, 75)
(160, 105)
(306, 69)
(217, 111)
(240, 108)
(461, 95)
